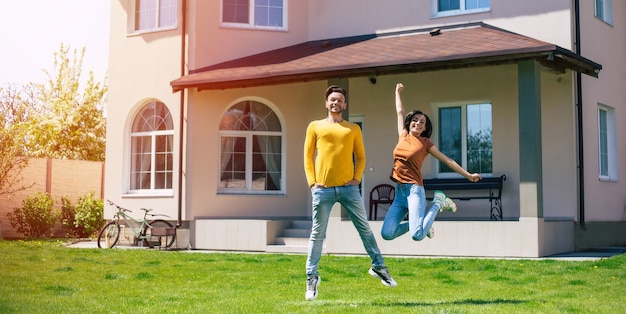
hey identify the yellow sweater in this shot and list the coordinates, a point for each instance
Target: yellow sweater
(335, 144)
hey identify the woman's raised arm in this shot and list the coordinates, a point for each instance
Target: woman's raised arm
(399, 108)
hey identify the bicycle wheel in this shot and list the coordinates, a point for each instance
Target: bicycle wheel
(156, 240)
(109, 235)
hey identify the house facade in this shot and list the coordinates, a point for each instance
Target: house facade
(209, 102)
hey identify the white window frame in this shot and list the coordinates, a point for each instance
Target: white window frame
(611, 144)
(461, 11)
(434, 119)
(132, 29)
(248, 135)
(606, 12)
(153, 134)
(251, 23)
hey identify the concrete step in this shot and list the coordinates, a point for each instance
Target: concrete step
(286, 249)
(301, 224)
(296, 233)
(294, 239)
(304, 242)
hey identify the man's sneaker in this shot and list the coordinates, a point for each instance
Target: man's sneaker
(383, 274)
(431, 233)
(311, 287)
(445, 203)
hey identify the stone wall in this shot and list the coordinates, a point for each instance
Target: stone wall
(72, 178)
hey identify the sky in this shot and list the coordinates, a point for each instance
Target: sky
(31, 31)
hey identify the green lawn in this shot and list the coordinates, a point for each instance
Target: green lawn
(47, 277)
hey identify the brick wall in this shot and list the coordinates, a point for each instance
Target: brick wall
(72, 178)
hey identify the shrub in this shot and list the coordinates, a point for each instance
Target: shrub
(89, 215)
(36, 217)
(83, 219)
(68, 215)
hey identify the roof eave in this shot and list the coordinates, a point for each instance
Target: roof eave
(555, 58)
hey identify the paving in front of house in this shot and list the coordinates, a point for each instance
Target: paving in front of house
(571, 256)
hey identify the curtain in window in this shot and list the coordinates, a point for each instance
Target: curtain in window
(230, 121)
(258, 123)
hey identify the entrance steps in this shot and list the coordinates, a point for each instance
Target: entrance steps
(294, 239)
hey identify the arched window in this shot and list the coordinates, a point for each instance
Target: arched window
(152, 146)
(251, 149)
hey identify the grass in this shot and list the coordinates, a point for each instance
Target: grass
(47, 277)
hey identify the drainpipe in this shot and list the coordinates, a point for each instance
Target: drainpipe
(181, 137)
(579, 105)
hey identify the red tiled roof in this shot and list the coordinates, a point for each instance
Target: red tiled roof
(412, 51)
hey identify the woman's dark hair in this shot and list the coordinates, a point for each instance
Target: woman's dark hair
(428, 130)
(334, 89)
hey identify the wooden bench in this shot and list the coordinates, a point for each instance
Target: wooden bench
(491, 184)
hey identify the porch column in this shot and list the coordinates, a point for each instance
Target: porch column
(531, 182)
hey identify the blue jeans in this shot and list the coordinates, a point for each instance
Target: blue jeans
(351, 200)
(409, 198)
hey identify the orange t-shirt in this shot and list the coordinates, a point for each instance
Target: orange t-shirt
(408, 157)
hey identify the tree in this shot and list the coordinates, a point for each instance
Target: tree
(65, 123)
(51, 120)
(13, 132)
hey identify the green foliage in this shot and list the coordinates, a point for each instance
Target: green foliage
(89, 215)
(57, 119)
(13, 131)
(68, 215)
(36, 217)
(68, 124)
(83, 219)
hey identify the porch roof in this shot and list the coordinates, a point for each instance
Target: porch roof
(449, 47)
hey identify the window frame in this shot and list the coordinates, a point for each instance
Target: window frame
(153, 155)
(133, 27)
(249, 135)
(435, 136)
(611, 144)
(461, 11)
(251, 23)
(606, 15)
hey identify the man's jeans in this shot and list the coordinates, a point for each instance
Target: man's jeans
(409, 198)
(351, 200)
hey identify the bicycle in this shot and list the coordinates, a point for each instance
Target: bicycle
(110, 233)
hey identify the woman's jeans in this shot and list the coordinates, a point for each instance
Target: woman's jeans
(351, 200)
(409, 198)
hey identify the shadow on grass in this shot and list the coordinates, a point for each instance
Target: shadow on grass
(458, 302)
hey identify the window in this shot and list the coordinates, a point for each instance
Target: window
(465, 135)
(604, 10)
(155, 14)
(455, 7)
(607, 143)
(264, 14)
(251, 150)
(151, 156)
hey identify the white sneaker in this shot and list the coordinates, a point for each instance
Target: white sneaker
(445, 203)
(383, 274)
(311, 287)
(431, 233)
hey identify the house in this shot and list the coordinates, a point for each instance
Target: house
(209, 102)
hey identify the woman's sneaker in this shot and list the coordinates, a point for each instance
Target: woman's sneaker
(431, 233)
(445, 203)
(311, 287)
(383, 274)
